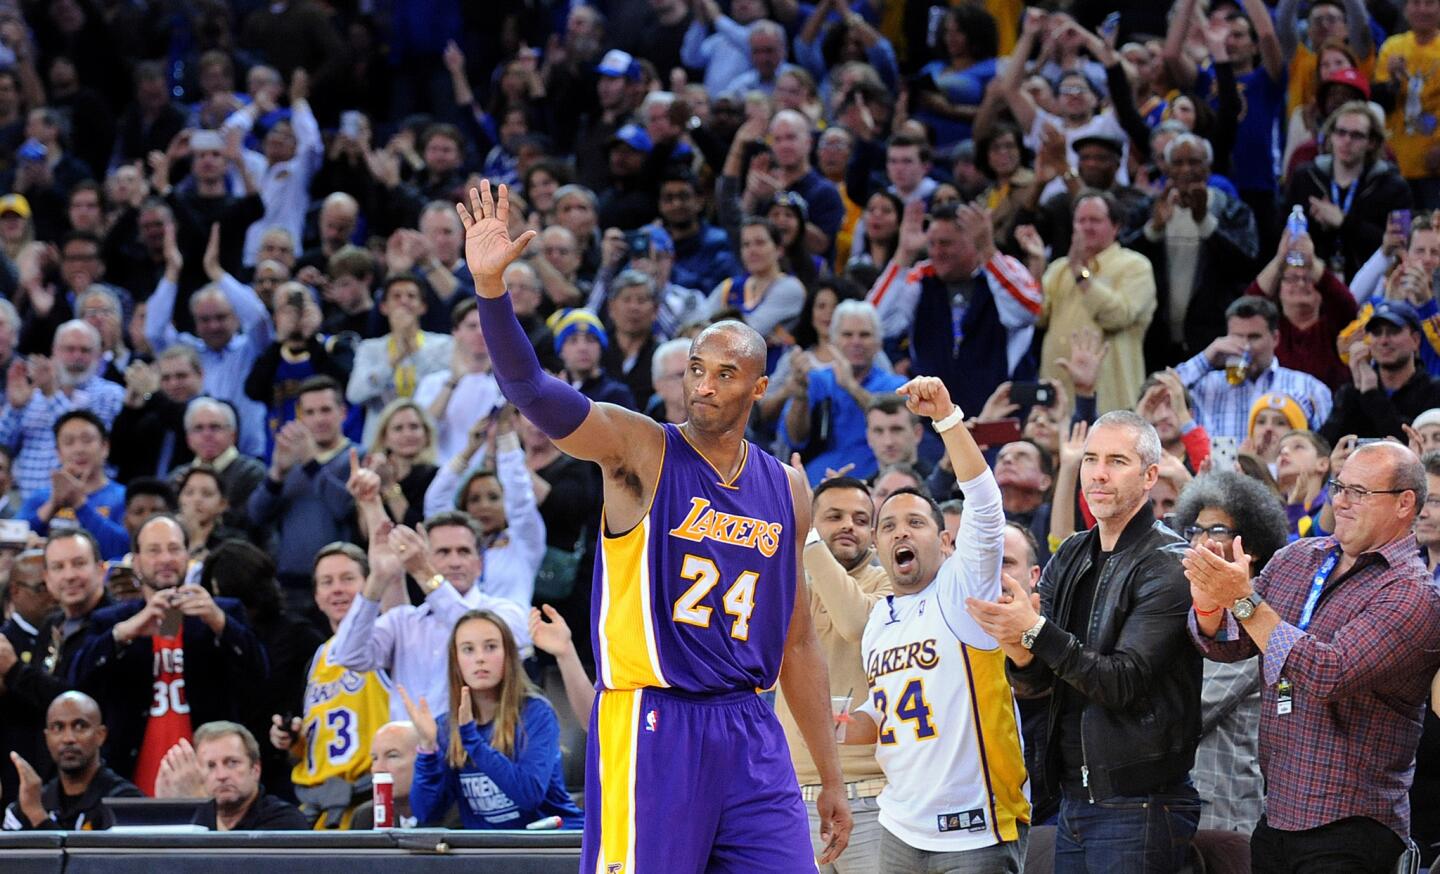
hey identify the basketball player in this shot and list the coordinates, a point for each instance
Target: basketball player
(940, 705)
(695, 606)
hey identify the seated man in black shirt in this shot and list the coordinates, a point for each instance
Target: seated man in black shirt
(224, 764)
(72, 800)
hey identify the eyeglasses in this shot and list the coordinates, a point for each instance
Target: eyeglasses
(1218, 532)
(1347, 133)
(1073, 90)
(1358, 493)
(32, 588)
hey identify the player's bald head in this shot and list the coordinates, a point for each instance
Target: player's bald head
(73, 703)
(735, 341)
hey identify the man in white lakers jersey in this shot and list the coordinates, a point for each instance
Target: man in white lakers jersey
(939, 708)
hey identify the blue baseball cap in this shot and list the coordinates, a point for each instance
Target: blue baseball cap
(1396, 312)
(618, 63)
(634, 136)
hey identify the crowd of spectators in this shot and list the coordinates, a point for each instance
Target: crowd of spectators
(270, 527)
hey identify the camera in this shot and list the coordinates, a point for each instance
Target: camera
(296, 299)
(638, 243)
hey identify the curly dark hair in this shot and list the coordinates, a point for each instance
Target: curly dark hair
(1257, 512)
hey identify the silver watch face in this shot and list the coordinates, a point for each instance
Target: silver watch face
(1243, 609)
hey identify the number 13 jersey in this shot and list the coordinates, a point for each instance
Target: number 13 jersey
(698, 595)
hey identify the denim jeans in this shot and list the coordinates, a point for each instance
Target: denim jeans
(1145, 834)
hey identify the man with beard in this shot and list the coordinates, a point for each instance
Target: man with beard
(37, 391)
(177, 648)
(844, 585)
(224, 764)
(72, 801)
(80, 494)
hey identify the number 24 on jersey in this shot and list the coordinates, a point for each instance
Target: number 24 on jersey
(739, 599)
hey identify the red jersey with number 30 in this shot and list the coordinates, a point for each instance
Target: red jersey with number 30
(169, 709)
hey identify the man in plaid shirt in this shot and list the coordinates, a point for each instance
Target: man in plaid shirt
(1348, 628)
(1252, 333)
(37, 392)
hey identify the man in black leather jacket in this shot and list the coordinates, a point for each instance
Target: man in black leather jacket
(1109, 645)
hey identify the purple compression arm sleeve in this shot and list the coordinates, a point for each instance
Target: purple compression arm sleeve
(556, 408)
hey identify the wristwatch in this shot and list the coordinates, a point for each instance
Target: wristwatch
(1082, 275)
(433, 583)
(1027, 637)
(1245, 607)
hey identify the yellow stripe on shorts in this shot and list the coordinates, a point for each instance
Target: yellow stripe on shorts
(617, 727)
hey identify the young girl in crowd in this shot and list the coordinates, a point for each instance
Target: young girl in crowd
(497, 749)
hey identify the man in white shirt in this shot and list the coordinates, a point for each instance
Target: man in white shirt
(939, 704)
(409, 642)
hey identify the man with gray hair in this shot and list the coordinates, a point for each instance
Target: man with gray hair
(210, 434)
(1202, 244)
(1108, 646)
(842, 393)
(232, 330)
(40, 390)
(1348, 632)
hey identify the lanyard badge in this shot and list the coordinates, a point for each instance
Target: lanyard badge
(1284, 691)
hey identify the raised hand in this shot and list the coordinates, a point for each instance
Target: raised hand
(488, 247)
(550, 632)
(1072, 448)
(998, 405)
(1175, 391)
(413, 549)
(912, 229)
(1030, 241)
(927, 396)
(211, 259)
(1087, 350)
(422, 718)
(18, 388)
(364, 483)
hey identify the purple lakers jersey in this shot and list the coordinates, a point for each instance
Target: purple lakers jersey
(698, 595)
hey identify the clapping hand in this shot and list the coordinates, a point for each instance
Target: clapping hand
(422, 718)
(29, 800)
(1214, 580)
(180, 775)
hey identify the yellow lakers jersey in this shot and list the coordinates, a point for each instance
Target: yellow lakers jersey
(343, 710)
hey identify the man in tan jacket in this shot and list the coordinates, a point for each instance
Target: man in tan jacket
(845, 583)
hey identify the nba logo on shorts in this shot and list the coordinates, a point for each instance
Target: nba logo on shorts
(651, 720)
(614, 867)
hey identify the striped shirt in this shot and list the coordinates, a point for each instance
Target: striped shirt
(1360, 675)
(1224, 409)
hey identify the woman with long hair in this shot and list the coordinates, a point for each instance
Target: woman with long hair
(788, 213)
(403, 453)
(879, 235)
(488, 479)
(1002, 157)
(947, 93)
(498, 727)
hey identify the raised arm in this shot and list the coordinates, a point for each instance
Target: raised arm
(604, 433)
(1357, 23)
(1177, 61)
(1271, 54)
(1287, 15)
(1021, 104)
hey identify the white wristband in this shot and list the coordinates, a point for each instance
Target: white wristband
(942, 425)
